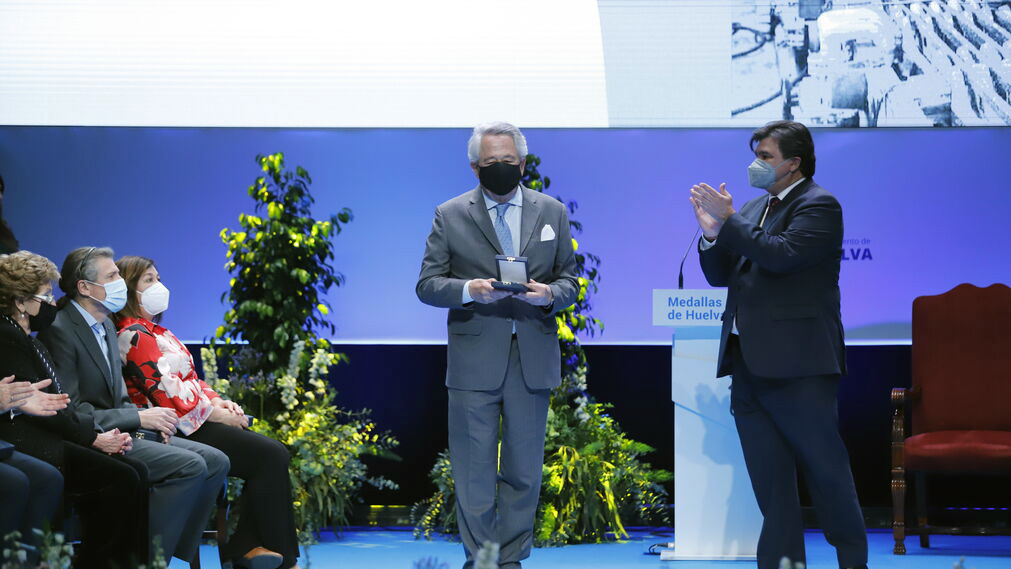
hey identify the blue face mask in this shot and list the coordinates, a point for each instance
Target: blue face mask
(115, 295)
(761, 174)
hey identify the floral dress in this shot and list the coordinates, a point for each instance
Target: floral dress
(158, 370)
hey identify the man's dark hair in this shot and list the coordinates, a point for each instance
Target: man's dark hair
(794, 142)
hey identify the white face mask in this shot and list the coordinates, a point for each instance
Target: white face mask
(155, 299)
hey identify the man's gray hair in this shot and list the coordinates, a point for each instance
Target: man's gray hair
(80, 266)
(474, 144)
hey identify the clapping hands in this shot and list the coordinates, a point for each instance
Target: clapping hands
(29, 397)
(712, 208)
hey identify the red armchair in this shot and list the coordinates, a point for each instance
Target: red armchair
(959, 403)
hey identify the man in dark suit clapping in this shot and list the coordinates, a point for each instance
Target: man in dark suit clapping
(782, 341)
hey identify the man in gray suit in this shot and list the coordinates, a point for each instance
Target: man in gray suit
(503, 355)
(185, 475)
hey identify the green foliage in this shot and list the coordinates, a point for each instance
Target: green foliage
(594, 479)
(437, 513)
(15, 554)
(327, 443)
(158, 560)
(282, 270)
(54, 552)
(594, 476)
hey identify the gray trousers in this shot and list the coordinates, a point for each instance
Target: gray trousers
(185, 478)
(497, 501)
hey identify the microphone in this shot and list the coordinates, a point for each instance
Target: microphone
(681, 272)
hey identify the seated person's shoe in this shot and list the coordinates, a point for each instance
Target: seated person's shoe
(259, 558)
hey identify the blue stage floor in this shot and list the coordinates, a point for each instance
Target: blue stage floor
(389, 549)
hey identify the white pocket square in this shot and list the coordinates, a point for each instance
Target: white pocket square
(547, 234)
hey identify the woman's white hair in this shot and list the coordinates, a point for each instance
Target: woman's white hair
(474, 144)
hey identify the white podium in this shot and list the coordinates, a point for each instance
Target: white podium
(715, 513)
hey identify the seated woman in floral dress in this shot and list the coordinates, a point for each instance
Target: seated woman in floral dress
(158, 370)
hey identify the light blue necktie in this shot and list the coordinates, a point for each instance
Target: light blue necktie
(505, 237)
(100, 336)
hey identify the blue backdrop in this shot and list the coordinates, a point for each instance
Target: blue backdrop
(924, 210)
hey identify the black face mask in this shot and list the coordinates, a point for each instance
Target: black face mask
(45, 317)
(499, 178)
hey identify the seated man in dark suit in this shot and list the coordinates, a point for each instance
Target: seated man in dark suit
(782, 341)
(186, 476)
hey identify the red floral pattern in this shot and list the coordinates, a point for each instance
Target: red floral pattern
(158, 370)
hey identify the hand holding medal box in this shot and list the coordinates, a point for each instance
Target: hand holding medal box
(512, 274)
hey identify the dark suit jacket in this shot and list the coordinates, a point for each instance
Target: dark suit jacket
(462, 246)
(96, 391)
(783, 284)
(41, 437)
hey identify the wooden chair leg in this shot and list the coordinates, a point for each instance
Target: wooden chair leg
(921, 509)
(899, 510)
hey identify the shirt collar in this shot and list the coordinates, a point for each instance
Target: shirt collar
(91, 320)
(788, 189)
(516, 200)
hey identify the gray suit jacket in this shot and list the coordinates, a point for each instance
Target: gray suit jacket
(97, 393)
(462, 246)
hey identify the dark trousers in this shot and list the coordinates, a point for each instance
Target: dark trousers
(110, 496)
(30, 493)
(791, 424)
(497, 491)
(266, 518)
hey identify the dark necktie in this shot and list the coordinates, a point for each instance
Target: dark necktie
(773, 201)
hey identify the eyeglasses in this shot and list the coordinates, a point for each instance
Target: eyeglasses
(48, 298)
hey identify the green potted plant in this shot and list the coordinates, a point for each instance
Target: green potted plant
(276, 360)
